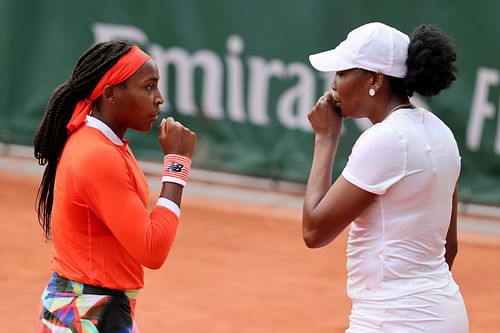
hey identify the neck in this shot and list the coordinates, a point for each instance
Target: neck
(406, 104)
(120, 132)
(391, 106)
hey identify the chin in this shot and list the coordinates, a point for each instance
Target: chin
(144, 129)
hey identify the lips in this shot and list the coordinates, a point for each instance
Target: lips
(337, 104)
(334, 95)
(155, 115)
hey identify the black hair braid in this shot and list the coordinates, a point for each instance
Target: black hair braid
(51, 135)
(431, 62)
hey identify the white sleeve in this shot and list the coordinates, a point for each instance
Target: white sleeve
(378, 160)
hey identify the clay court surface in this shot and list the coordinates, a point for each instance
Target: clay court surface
(235, 267)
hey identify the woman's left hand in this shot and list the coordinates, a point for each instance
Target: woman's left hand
(325, 117)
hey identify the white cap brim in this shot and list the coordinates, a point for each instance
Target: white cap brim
(330, 61)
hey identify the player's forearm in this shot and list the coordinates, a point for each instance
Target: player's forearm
(320, 176)
(318, 184)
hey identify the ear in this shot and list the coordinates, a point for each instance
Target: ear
(377, 80)
(109, 94)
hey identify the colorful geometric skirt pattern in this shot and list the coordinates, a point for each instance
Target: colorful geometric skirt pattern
(73, 307)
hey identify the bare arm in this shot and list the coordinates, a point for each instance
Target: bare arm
(324, 219)
(451, 237)
(328, 209)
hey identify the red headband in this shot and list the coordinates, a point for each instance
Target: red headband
(127, 65)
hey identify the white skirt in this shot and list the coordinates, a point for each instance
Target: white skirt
(418, 313)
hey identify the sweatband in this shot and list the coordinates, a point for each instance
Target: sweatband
(175, 169)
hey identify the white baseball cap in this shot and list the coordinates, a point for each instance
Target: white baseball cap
(374, 46)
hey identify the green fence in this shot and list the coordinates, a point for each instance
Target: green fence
(237, 73)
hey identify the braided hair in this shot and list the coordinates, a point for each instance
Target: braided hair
(52, 133)
(431, 63)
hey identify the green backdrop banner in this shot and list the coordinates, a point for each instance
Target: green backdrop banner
(237, 73)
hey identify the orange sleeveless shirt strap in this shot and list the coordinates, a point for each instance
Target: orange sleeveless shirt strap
(127, 65)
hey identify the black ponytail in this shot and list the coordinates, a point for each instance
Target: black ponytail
(51, 135)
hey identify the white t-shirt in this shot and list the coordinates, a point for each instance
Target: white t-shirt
(396, 246)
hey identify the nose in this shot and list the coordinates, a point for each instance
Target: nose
(333, 85)
(159, 100)
(334, 82)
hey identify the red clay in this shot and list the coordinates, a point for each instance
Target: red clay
(233, 268)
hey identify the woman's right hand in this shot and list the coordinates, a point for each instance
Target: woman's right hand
(325, 117)
(175, 138)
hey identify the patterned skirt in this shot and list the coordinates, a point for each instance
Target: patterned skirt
(73, 307)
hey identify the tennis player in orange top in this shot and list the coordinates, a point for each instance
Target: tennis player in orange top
(92, 200)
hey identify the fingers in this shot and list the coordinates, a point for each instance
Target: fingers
(325, 117)
(161, 128)
(329, 97)
(168, 125)
(175, 138)
(326, 98)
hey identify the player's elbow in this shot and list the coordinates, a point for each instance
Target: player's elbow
(313, 238)
(318, 232)
(154, 260)
(153, 263)
(311, 241)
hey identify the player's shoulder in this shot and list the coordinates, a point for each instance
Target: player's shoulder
(89, 148)
(380, 133)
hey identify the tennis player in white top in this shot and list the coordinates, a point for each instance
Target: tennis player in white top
(398, 190)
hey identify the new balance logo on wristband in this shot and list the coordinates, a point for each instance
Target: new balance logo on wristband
(175, 167)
